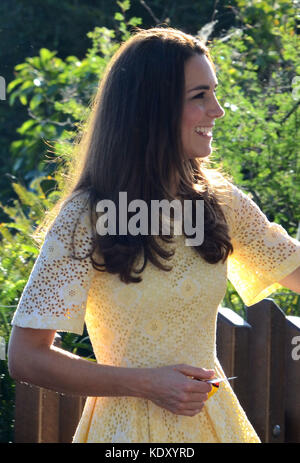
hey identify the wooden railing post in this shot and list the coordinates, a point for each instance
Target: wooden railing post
(27, 414)
(36, 415)
(71, 408)
(267, 370)
(233, 351)
(292, 398)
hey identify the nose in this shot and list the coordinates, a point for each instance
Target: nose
(216, 111)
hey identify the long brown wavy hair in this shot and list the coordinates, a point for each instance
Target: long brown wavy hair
(132, 142)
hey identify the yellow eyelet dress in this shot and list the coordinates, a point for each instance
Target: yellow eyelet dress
(168, 318)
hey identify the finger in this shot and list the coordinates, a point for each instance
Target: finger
(200, 373)
(196, 397)
(196, 386)
(191, 412)
(192, 406)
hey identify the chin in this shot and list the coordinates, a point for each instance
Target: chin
(202, 154)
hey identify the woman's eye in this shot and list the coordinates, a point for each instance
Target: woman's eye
(199, 95)
(202, 94)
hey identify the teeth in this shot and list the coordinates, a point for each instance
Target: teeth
(206, 130)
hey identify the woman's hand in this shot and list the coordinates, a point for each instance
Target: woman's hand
(174, 388)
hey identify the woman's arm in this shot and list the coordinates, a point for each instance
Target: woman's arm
(292, 281)
(33, 359)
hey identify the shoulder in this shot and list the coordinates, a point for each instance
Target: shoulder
(73, 222)
(236, 204)
(222, 188)
(76, 202)
(73, 208)
(231, 196)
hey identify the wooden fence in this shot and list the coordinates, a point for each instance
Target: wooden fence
(261, 351)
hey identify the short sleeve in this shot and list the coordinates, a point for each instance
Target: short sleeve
(263, 253)
(55, 295)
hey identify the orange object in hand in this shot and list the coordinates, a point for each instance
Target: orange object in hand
(215, 382)
(215, 387)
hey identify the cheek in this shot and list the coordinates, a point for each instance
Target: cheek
(192, 115)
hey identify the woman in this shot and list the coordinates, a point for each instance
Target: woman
(149, 302)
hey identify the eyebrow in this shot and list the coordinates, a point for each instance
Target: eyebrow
(201, 87)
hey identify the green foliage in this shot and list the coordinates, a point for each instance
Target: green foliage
(7, 404)
(57, 94)
(26, 27)
(258, 140)
(18, 252)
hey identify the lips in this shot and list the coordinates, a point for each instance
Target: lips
(204, 131)
(205, 135)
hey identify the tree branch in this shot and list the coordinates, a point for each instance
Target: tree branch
(290, 112)
(144, 4)
(43, 121)
(215, 10)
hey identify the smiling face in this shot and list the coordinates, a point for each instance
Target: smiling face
(201, 107)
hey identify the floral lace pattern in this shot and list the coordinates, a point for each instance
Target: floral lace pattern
(263, 251)
(57, 289)
(170, 317)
